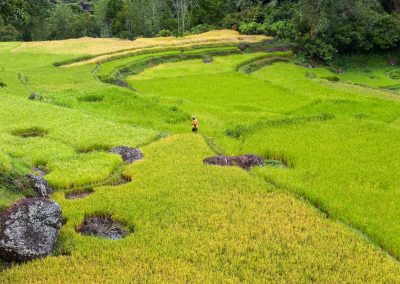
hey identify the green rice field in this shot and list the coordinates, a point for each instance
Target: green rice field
(330, 214)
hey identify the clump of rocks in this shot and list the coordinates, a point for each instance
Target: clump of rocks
(40, 185)
(208, 60)
(268, 41)
(243, 46)
(29, 229)
(245, 162)
(35, 97)
(128, 154)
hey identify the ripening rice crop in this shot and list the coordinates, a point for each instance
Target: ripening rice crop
(96, 46)
(204, 224)
(312, 214)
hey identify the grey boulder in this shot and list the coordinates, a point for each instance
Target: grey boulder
(128, 154)
(35, 97)
(29, 229)
(245, 162)
(40, 185)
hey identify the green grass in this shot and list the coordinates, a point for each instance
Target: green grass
(368, 70)
(5, 162)
(330, 216)
(82, 169)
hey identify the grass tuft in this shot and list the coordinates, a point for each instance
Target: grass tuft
(30, 132)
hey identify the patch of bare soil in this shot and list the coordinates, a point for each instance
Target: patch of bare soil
(78, 194)
(103, 226)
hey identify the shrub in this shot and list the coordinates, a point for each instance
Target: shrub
(332, 78)
(252, 28)
(231, 21)
(2, 84)
(394, 74)
(317, 49)
(9, 33)
(92, 98)
(126, 35)
(164, 33)
(281, 30)
(199, 29)
(386, 32)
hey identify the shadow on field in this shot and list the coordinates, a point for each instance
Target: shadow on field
(30, 132)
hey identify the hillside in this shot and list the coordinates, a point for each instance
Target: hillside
(322, 207)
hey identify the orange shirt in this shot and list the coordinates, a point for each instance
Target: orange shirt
(195, 123)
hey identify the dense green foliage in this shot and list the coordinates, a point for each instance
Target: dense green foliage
(321, 28)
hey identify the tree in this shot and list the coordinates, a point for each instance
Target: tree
(14, 12)
(211, 12)
(9, 33)
(386, 32)
(36, 27)
(106, 12)
(143, 17)
(64, 23)
(325, 27)
(184, 10)
(391, 5)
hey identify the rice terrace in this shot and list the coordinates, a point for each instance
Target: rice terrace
(251, 147)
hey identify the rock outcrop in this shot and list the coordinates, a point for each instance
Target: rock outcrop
(29, 229)
(245, 162)
(35, 97)
(129, 155)
(40, 185)
(208, 60)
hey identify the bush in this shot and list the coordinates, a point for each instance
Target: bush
(386, 32)
(281, 30)
(248, 14)
(332, 78)
(252, 28)
(317, 49)
(199, 29)
(394, 74)
(126, 35)
(9, 33)
(231, 21)
(164, 33)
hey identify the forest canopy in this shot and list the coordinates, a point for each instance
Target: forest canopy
(321, 28)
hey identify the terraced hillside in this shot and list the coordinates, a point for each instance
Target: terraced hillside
(312, 213)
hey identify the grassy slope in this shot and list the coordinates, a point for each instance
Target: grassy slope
(347, 166)
(69, 132)
(368, 70)
(198, 223)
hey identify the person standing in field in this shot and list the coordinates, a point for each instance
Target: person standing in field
(195, 125)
